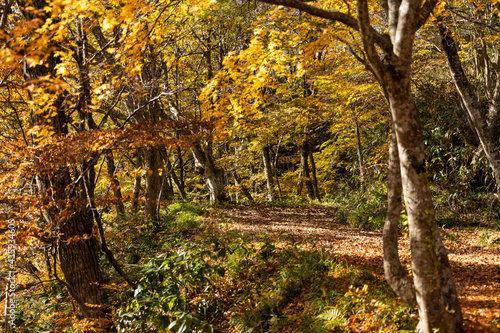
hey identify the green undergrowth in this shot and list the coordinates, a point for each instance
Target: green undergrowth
(362, 206)
(365, 207)
(195, 275)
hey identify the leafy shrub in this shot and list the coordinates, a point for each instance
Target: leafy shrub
(173, 293)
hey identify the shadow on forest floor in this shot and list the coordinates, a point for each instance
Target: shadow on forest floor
(476, 265)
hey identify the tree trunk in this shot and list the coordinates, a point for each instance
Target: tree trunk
(244, 190)
(388, 56)
(79, 264)
(152, 162)
(314, 179)
(359, 150)
(304, 154)
(180, 186)
(134, 206)
(68, 220)
(275, 169)
(266, 156)
(435, 288)
(205, 166)
(395, 274)
(178, 182)
(115, 184)
(482, 124)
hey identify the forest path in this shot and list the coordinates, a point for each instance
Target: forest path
(473, 253)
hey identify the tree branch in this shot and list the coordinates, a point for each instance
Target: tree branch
(380, 39)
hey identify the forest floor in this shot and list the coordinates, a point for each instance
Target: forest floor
(474, 253)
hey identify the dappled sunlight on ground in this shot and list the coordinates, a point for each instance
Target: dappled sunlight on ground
(474, 255)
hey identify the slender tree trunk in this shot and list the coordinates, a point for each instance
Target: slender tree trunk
(179, 184)
(395, 274)
(244, 190)
(300, 181)
(359, 150)
(314, 179)
(115, 184)
(266, 156)
(167, 190)
(181, 187)
(482, 124)
(275, 169)
(134, 207)
(304, 154)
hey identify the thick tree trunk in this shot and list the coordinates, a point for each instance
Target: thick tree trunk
(395, 274)
(71, 226)
(68, 220)
(205, 166)
(115, 184)
(482, 124)
(435, 288)
(79, 264)
(266, 156)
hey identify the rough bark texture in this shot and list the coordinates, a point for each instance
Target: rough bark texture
(68, 221)
(395, 274)
(482, 123)
(205, 166)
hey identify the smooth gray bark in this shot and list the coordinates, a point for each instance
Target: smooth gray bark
(395, 274)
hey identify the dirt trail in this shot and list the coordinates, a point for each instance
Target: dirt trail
(476, 265)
